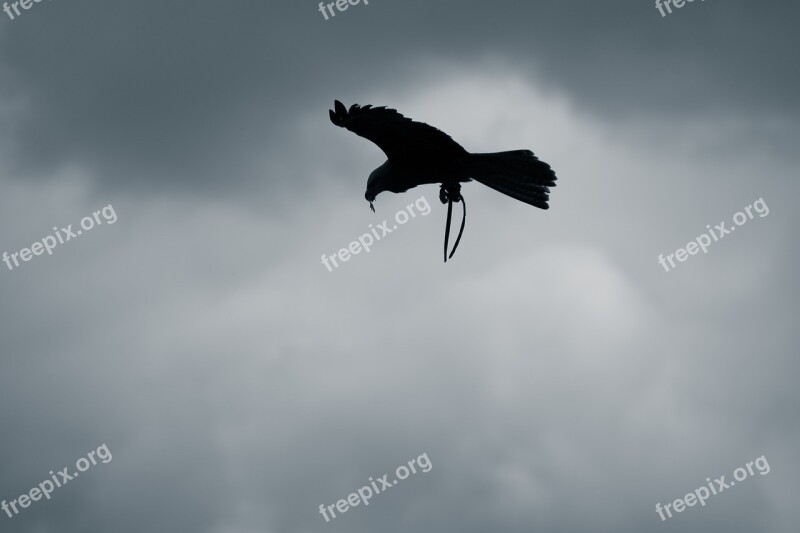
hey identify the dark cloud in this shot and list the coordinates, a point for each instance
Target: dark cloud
(162, 95)
(557, 377)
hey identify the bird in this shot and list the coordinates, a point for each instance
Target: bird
(418, 154)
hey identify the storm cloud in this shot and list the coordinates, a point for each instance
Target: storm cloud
(557, 377)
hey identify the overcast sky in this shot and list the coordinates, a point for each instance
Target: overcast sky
(558, 378)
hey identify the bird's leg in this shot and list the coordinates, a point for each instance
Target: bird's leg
(443, 195)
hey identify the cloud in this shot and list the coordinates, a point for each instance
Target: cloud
(557, 377)
(189, 96)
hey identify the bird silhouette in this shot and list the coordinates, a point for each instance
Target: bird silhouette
(418, 154)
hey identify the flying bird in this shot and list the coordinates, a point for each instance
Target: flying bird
(418, 154)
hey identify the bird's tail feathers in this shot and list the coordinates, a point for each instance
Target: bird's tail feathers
(518, 174)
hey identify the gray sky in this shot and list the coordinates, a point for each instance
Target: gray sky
(557, 377)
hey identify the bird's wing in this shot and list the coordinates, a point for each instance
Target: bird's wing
(395, 134)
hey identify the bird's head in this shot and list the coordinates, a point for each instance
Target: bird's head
(376, 184)
(370, 198)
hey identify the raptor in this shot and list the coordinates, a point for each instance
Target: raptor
(418, 154)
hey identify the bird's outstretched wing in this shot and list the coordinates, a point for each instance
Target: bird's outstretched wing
(395, 134)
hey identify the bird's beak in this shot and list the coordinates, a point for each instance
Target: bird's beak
(372, 207)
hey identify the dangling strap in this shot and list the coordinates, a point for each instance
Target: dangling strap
(463, 221)
(447, 225)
